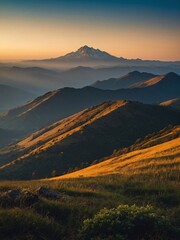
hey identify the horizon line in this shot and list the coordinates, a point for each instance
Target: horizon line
(85, 45)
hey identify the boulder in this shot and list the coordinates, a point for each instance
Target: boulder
(18, 198)
(48, 193)
(13, 194)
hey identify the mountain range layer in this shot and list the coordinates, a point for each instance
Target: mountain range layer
(82, 138)
(125, 81)
(56, 105)
(77, 69)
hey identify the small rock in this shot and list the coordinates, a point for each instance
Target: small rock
(13, 194)
(48, 193)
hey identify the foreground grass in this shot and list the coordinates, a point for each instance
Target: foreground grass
(81, 199)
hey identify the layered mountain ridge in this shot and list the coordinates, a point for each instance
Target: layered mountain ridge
(126, 81)
(82, 138)
(62, 103)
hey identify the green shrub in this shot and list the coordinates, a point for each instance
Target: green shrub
(126, 223)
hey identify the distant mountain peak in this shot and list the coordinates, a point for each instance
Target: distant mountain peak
(138, 73)
(85, 49)
(162, 80)
(127, 81)
(171, 74)
(86, 52)
(134, 73)
(89, 51)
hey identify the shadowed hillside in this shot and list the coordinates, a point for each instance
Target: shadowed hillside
(139, 80)
(163, 81)
(126, 81)
(82, 138)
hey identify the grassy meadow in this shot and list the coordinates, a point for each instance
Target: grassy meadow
(81, 199)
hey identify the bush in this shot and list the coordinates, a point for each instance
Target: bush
(126, 223)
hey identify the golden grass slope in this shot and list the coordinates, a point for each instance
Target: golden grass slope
(68, 126)
(149, 82)
(61, 131)
(162, 159)
(174, 103)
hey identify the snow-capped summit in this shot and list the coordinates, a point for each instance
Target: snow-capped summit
(86, 51)
(90, 53)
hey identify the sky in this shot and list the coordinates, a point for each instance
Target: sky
(38, 29)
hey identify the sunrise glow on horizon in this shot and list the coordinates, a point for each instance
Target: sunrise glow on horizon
(130, 29)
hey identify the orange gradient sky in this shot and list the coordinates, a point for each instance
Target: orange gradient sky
(38, 36)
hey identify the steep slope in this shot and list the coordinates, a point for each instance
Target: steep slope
(162, 157)
(80, 139)
(149, 82)
(123, 82)
(51, 107)
(169, 82)
(58, 104)
(173, 103)
(162, 81)
(11, 97)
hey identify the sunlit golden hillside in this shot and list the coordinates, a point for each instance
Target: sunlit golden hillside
(162, 159)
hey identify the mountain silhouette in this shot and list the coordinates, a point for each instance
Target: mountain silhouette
(87, 54)
(125, 81)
